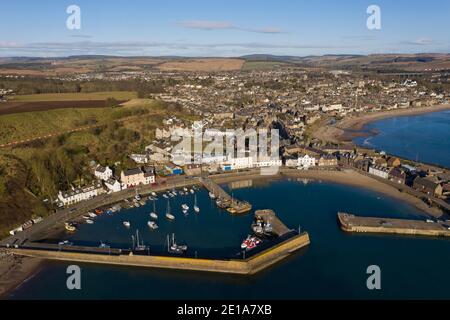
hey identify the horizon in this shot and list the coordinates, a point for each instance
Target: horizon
(222, 29)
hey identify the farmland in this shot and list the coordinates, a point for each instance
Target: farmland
(118, 95)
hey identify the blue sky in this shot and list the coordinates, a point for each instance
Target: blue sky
(222, 28)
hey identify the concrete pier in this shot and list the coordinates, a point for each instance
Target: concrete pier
(248, 266)
(269, 216)
(227, 202)
(352, 223)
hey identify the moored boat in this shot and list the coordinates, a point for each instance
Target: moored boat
(127, 224)
(152, 225)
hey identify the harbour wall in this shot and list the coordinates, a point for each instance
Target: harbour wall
(248, 266)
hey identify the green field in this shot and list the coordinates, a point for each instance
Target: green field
(118, 95)
(17, 127)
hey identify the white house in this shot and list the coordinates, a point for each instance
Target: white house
(379, 171)
(139, 158)
(306, 161)
(113, 185)
(103, 173)
(149, 175)
(80, 194)
(241, 163)
(264, 162)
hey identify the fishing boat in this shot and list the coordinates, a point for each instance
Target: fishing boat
(152, 225)
(88, 221)
(137, 245)
(137, 197)
(196, 208)
(168, 214)
(70, 227)
(250, 243)
(127, 224)
(104, 245)
(173, 247)
(153, 214)
(65, 243)
(98, 211)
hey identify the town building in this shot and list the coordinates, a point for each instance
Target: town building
(103, 173)
(113, 185)
(132, 177)
(80, 194)
(379, 171)
(427, 186)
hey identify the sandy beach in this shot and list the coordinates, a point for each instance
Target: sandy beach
(348, 129)
(14, 270)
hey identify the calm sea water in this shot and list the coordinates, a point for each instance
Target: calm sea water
(333, 266)
(423, 138)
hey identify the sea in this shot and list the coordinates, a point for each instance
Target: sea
(334, 266)
(424, 138)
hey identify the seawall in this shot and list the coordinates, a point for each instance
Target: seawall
(248, 266)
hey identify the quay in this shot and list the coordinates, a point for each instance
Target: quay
(224, 200)
(249, 266)
(352, 223)
(269, 217)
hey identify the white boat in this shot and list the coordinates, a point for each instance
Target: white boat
(192, 191)
(173, 247)
(152, 225)
(153, 214)
(154, 194)
(185, 189)
(127, 224)
(92, 215)
(165, 196)
(212, 195)
(185, 207)
(70, 227)
(137, 205)
(168, 214)
(196, 208)
(88, 221)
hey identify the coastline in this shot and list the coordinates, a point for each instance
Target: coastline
(348, 129)
(15, 270)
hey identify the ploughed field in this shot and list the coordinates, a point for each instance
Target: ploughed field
(21, 107)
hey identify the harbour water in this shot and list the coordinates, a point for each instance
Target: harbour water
(424, 138)
(333, 266)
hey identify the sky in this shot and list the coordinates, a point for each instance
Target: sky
(222, 28)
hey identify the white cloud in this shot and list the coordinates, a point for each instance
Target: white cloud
(224, 25)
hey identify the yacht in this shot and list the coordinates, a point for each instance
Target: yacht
(153, 214)
(152, 225)
(185, 189)
(127, 224)
(192, 191)
(70, 227)
(173, 247)
(154, 194)
(168, 214)
(165, 196)
(92, 215)
(104, 245)
(196, 208)
(89, 221)
(185, 207)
